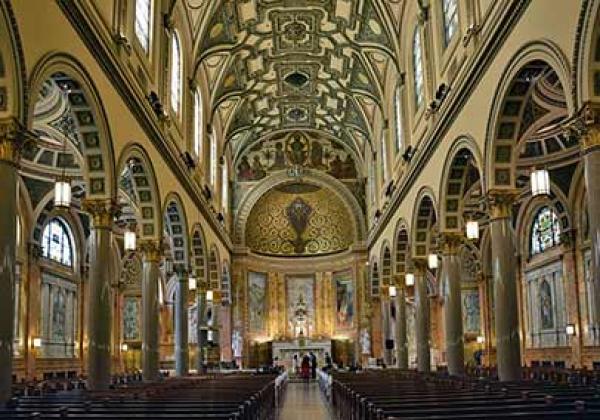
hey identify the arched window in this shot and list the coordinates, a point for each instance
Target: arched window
(143, 18)
(450, 10)
(225, 187)
(213, 160)
(56, 242)
(176, 73)
(398, 116)
(418, 68)
(545, 232)
(198, 124)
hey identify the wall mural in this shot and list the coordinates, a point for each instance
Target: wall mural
(471, 311)
(344, 301)
(300, 305)
(297, 149)
(131, 327)
(297, 219)
(257, 288)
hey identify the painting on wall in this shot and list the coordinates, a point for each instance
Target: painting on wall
(297, 149)
(471, 311)
(344, 299)
(547, 312)
(257, 288)
(131, 326)
(300, 305)
(59, 316)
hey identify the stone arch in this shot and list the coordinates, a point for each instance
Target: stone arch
(462, 171)
(424, 221)
(532, 95)
(175, 223)
(311, 177)
(401, 248)
(199, 256)
(138, 181)
(91, 133)
(14, 95)
(214, 271)
(586, 57)
(386, 264)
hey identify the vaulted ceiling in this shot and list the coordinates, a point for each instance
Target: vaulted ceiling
(281, 65)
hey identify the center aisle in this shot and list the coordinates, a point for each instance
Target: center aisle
(304, 401)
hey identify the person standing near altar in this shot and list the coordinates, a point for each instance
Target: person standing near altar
(313, 365)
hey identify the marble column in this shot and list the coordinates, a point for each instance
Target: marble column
(591, 161)
(504, 266)
(99, 308)
(201, 309)
(453, 327)
(400, 336)
(181, 324)
(150, 311)
(422, 317)
(10, 146)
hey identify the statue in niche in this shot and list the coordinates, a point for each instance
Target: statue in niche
(365, 341)
(316, 156)
(236, 344)
(244, 170)
(279, 162)
(297, 151)
(258, 172)
(546, 306)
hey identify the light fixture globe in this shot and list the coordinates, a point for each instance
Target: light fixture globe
(129, 239)
(540, 182)
(392, 291)
(432, 261)
(192, 283)
(409, 279)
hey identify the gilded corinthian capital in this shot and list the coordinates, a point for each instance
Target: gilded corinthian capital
(12, 138)
(585, 124)
(103, 212)
(500, 202)
(450, 242)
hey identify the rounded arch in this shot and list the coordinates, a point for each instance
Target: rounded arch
(586, 58)
(138, 180)
(401, 248)
(92, 132)
(214, 270)
(74, 229)
(539, 69)
(14, 95)
(462, 171)
(199, 255)
(424, 221)
(385, 259)
(175, 223)
(311, 177)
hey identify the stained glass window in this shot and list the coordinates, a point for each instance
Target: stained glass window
(450, 10)
(143, 16)
(418, 67)
(398, 116)
(176, 73)
(198, 124)
(56, 242)
(545, 232)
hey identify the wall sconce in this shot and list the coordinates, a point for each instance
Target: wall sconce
(392, 291)
(409, 279)
(124, 347)
(570, 330)
(480, 339)
(192, 283)
(37, 343)
(472, 230)
(209, 295)
(432, 261)
(540, 182)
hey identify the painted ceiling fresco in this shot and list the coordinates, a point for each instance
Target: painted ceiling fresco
(297, 64)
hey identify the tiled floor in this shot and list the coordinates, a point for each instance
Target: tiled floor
(304, 402)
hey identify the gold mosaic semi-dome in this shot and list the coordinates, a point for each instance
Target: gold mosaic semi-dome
(299, 219)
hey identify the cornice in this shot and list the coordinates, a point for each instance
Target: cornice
(471, 75)
(125, 85)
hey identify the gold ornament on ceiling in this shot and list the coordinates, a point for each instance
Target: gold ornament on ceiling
(299, 219)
